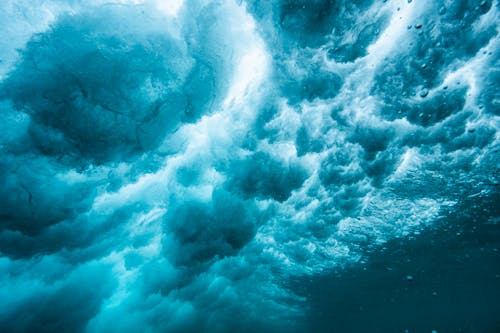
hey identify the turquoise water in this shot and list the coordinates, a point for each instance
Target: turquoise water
(246, 165)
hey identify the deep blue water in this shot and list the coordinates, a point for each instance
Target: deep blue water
(249, 165)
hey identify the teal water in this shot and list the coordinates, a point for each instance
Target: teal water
(249, 165)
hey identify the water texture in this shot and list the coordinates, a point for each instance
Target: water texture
(249, 165)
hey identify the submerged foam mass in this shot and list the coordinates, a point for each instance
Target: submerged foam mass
(171, 166)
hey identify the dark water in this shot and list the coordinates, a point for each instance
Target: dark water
(454, 284)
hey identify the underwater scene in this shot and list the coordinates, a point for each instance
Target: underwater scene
(250, 166)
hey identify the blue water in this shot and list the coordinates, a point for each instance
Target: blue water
(248, 165)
